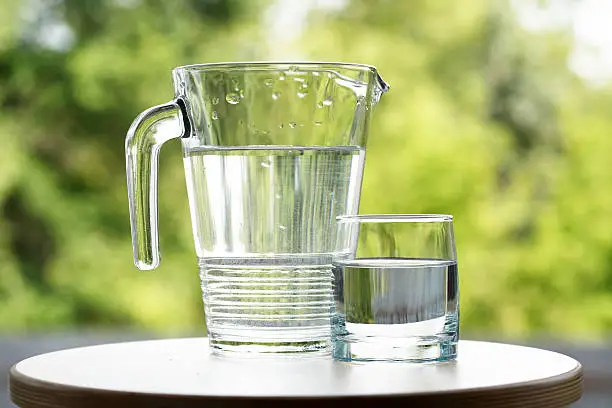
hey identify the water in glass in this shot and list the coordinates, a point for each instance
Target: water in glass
(395, 309)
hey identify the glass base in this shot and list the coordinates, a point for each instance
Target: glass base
(411, 350)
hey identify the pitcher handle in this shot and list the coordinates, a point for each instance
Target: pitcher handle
(149, 131)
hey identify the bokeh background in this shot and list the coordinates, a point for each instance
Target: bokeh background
(500, 112)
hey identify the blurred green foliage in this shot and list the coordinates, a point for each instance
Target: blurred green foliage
(484, 120)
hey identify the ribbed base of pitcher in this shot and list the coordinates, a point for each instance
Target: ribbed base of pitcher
(268, 305)
(256, 342)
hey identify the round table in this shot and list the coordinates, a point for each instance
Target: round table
(183, 373)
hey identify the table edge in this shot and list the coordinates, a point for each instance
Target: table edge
(556, 391)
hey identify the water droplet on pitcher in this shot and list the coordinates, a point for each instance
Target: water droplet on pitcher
(282, 227)
(328, 101)
(302, 93)
(277, 196)
(281, 77)
(232, 98)
(268, 82)
(276, 95)
(299, 79)
(281, 126)
(292, 125)
(214, 100)
(318, 123)
(259, 132)
(320, 105)
(215, 115)
(266, 164)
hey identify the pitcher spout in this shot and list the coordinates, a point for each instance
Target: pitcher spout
(381, 87)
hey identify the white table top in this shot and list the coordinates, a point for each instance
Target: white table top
(183, 371)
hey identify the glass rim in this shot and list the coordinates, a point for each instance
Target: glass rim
(280, 64)
(395, 218)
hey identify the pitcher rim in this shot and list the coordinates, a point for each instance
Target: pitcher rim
(255, 64)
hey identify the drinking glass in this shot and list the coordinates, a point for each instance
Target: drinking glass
(396, 289)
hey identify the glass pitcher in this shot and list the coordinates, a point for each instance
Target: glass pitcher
(273, 152)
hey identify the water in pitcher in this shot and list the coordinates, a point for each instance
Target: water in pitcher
(264, 228)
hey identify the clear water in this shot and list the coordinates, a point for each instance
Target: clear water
(265, 231)
(396, 309)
